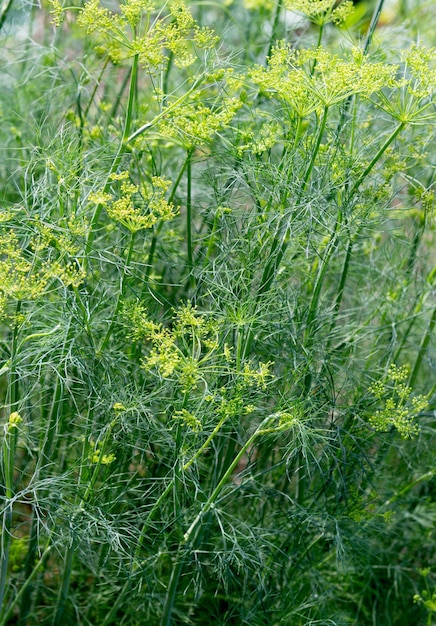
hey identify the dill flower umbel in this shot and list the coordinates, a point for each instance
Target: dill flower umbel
(399, 407)
(136, 208)
(322, 11)
(289, 77)
(133, 32)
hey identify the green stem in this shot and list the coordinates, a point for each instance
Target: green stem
(4, 10)
(313, 306)
(417, 237)
(28, 569)
(206, 507)
(422, 350)
(171, 484)
(52, 420)
(159, 227)
(118, 157)
(413, 312)
(318, 44)
(172, 587)
(377, 157)
(189, 214)
(166, 78)
(281, 241)
(7, 464)
(66, 577)
(8, 458)
(373, 25)
(121, 293)
(5, 547)
(344, 274)
(94, 91)
(315, 150)
(13, 387)
(274, 30)
(7, 614)
(261, 430)
(119, 95)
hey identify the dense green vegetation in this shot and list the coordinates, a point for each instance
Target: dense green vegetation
(217, 311)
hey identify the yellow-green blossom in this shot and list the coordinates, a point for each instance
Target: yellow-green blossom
(133, 32)
(136, 208)
(14, 419)
(322, 11)
(399, 407)
(103, 459)
(291, 78)
(189, 419)
(195, 124)
(57, 12)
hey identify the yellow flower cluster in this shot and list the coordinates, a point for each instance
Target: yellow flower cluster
(421, 63)
(14, 419)
(289, 76)
(136, 208)
(190, 350)
(188, 419)
(258, 376)
(103, 459)
(399, 408)
(21, 278)
(322, 11)
(133, 31)
(195, 124)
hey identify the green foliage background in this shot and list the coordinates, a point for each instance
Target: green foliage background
(217, 281)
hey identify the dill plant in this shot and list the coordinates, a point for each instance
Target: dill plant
(217, 320)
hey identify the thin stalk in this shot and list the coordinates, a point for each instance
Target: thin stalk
(274, 30)
(66, 577)
(318, 44)
(7, 465)
(377, 157)
(28, 569)
(159, 227)
(280, 243)
(313, 306)
(118, 157)
(211, 239)
(417, 237)
(189, 214)
(344, 273)
(369, 35)
(13, 386)
(120, 295)
(52, 420)
(4, 620)
(4, 10)
(315, 150)
(171, 484)
(9, 445)
(172, 588)
(94, 91)
(166, 78)
(413, 313)
(207, 506)
(373, 25)
(422, 349)
(119, 95)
